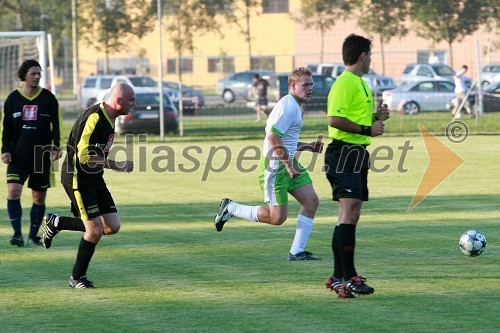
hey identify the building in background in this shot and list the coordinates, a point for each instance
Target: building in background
(279, 43)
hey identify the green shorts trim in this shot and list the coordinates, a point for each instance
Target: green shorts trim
(276, 183)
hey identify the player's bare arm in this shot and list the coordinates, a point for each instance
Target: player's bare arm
(277, 147)
(315, 146)
(123, 166)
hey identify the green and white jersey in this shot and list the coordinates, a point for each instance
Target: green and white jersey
(351, 98)
(285, 120)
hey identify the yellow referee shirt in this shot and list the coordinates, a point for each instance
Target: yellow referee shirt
(351, 98)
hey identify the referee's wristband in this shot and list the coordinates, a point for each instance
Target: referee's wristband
(366, 130)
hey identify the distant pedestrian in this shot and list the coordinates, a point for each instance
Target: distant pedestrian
(259, 88)
(461, 93)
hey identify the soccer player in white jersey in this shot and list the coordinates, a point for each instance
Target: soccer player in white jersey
(279, 171)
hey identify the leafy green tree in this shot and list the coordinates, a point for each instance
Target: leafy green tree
(106, 24)
(50, 16)
(321, 15)
(384, 18)
(448, 21)
(491, 12)
(187, 19)
(239, 14)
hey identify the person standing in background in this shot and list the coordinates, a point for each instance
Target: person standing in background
(260, 87)
(30, 142)
(461, 92)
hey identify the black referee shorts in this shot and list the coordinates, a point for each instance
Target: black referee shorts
(347, 170)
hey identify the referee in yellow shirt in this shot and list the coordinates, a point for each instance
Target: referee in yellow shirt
(352, 123)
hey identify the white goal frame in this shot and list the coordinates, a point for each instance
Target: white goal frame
(41, 40)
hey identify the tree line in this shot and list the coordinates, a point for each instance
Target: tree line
(107, 25)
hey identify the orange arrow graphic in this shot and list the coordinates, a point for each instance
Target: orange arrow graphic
(442, 163)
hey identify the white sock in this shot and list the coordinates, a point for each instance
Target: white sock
(304, 227)
(242, 211)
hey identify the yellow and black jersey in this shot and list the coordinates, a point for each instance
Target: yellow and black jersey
(29, 122)
(92, 135)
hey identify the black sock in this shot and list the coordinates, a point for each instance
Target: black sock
(85, 253)
(337, 261)
(347, 242)
(70, 223)
(15, 214)
(36, 215)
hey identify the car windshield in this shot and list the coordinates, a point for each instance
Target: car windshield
(143, 81)
(443, 70)
(492, 88)
(150, 99)
(174, 86)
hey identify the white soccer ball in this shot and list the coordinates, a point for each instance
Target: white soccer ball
(472, 243)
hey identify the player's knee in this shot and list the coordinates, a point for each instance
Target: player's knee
(112, 230)
(94, 234)
(314, 203)
(278, 220)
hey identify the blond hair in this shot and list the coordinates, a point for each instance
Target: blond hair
(297, 73)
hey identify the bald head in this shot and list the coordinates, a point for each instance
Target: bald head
(121, 98)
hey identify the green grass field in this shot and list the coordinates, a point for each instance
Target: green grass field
(168, 270)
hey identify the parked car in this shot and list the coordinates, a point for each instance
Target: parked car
(490, 74)
(191, 98)
(136, 81)
(376, 82)
(414, 97)
(321, 88)
(237, 85)
(91, 87)
(145, 117)
(332, 69)
(424, 72)
(491, 97)
(94, 87)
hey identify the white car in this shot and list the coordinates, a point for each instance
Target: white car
(414, 97)
(91, 87)
(135, 81)
(424, 72)
(490, 74)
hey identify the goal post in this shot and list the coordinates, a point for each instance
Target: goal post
(18, 46)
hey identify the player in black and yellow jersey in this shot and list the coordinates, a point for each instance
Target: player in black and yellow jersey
(82, 177)
(352, 123)
(30, 141)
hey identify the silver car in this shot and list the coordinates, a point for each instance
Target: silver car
(378, 83)
(424, 72)
(192, 98)
(237, 85)
(490, 74)
(414, 97)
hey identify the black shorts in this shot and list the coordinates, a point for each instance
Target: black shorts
(347, 170)
(262, 101)
(39, 178)
(90, 199)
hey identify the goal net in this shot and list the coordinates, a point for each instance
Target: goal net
(16, 47)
